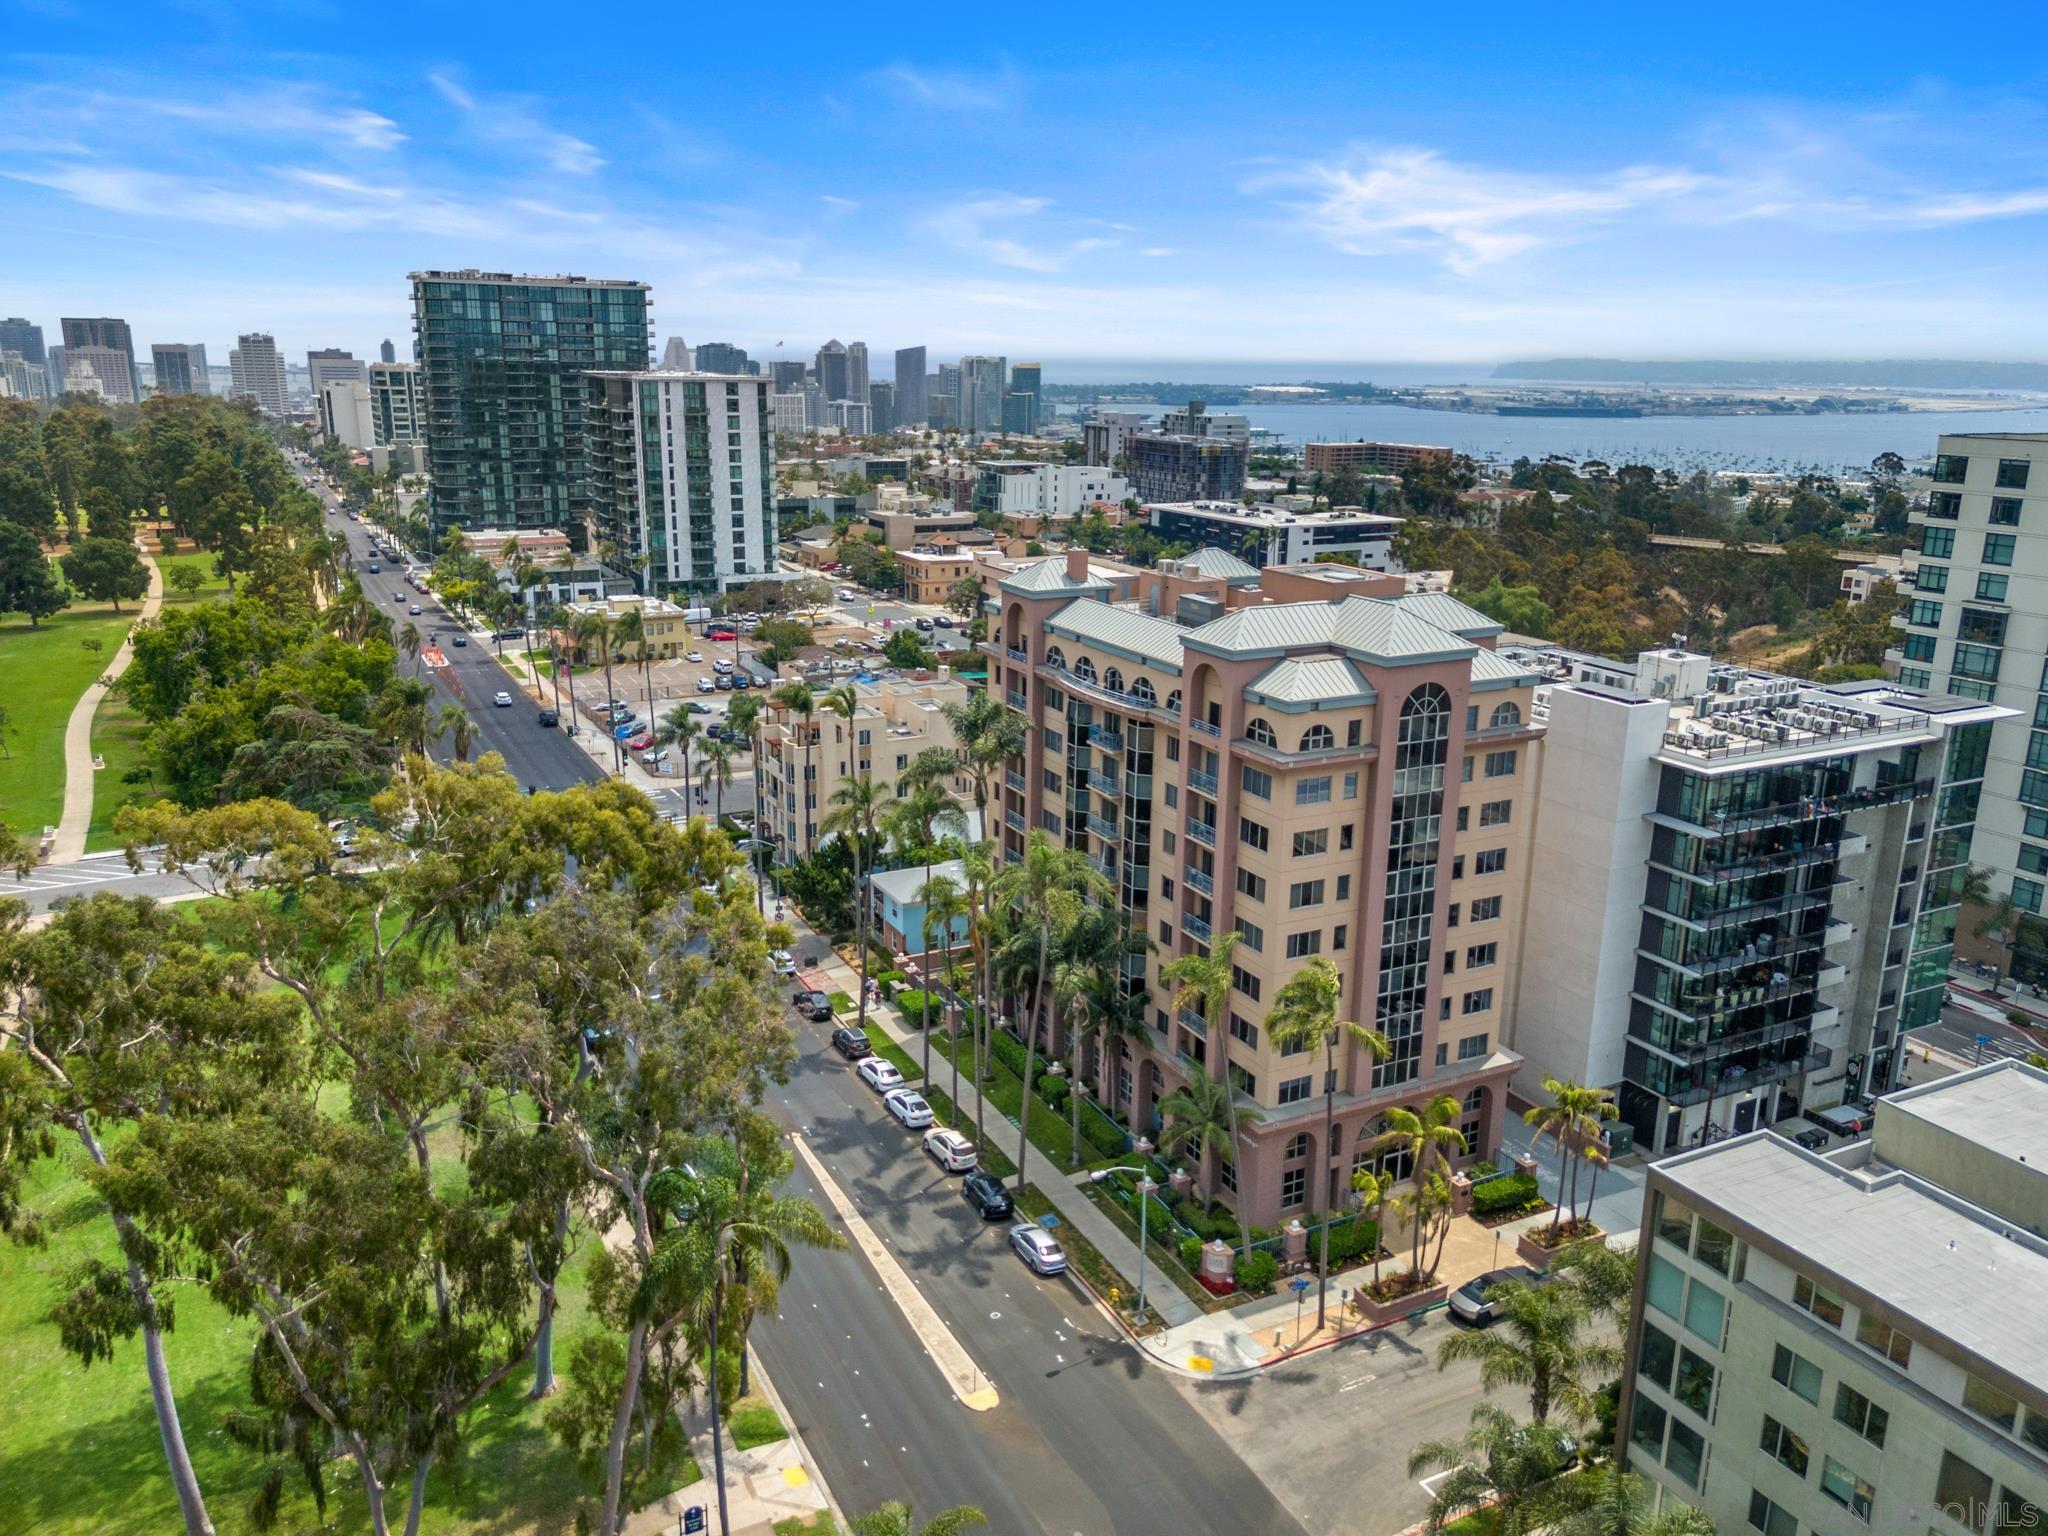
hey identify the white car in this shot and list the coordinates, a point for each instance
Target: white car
(784, 962)
(949, 1149)
(705, 685)
(848, 595)
(1035, 1246)
(503, 700)
(908, 1107)
(694, 656)
(878, 1074)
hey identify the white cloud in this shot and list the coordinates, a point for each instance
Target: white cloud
(517, 121)
(1379, 203)
(838, 207)
(947, 90)
(992, 227)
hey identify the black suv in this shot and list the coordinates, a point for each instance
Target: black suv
(985, 1192)
(815, 1006)
(851, 1043)
(549, 718)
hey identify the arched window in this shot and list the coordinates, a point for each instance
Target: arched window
(1113, 680)
(1297, 1146)
(1506, 714)
(1142, 690)
(1084, 670)
(1173, 702)
(1056, 658)
(1394, 1159)
(1317, 738)
(1425, 727)
(1261, 732)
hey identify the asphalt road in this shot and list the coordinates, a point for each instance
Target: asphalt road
(1960, 1025)
(546, 759)
(1086, 1441)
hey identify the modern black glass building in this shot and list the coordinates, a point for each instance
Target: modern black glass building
(501, 363)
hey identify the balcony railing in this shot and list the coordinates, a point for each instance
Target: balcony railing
(1193, 1022)
(1206, 728)
(1106, 737)
(1807, 808)
(1733, 1082)
(1102, 827)
(1103, 866)
(1015, 698)
(1203, 832)
(1197, 927)
(1014, 820)
(1014, 779)
(1198, 880)
(1016, 653)
(1202, 783)
(1107, 780)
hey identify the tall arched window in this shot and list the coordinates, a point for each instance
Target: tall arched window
(1113, 680)
(1261, 732)
(1142, 690)
(1317, 738)
(1056, 658)
(1084, 670)
(1506, 714)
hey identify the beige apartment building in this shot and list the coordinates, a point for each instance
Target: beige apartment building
(804, 759)
(666, 635)
(929, 572)
(1321, 772)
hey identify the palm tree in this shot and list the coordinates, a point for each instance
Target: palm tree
(1305, 1015)
(843, 700)
(717, 757)
(893, 1519)
(679, 729)
(744, 715)
(1373, 1188)
(732, 1229)
(988, 734)
(1202, 982)
(1206, 1116)
(1046, 889)
(944, 905)
(798, 699)
(2001, 920)
(1500, 1462)
(918, 820)
(1572, 1121)
(1610, 1500)
(978, 864)
(409, 642)
(1089, 979)
(454, 720)
(528, 575)
(597, 628)
(1536, 1342)
(1427, 1137)
(857, 806)
(632, 635)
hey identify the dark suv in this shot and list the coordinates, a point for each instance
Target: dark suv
(851, 1043)
(985, 1192)
(549, 718)
(812, 1005)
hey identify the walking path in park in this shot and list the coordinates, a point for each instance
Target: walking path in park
(76, 821)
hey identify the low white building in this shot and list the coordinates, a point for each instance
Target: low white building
(1028, 488)
(345, 413)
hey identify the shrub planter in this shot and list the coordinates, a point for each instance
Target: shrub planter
(1402, 1303)
(1219, 1268)
(1537, 1250)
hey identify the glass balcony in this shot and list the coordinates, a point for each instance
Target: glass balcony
(1196, 927)
(1106, 737)
(1202, 783)
(1015, 698)
(1198, 880)
(1103, 828)
(1194, 1023)
(1206, 728)
(1016, 653)
(1014, 820)
(1202, 832)
(1014, 779)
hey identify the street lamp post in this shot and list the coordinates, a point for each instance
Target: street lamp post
(1147, 1187)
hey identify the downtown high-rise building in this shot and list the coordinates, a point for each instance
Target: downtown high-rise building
(701, 516)
(25, 337)
(881, 406)
(114, 335)
(502, 359)
(983, 381)
(395, 413)
(677, 353)
(786, 376)
(911, 394)
(856, 370)
(386, 352)
(722, 357)
(258, 371)
(833, 370)
(180, 367)
(332, 365)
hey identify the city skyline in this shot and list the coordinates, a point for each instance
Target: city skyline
(1685, 205)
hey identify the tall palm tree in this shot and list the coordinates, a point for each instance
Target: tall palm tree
(1206, 1117)
(1305, 1016)
(944, 905)
(893, 1519)
(632, 636)
(409, 642)
(744, 715)
(679, 729)
(919, 819)
(455, 723)
(1428, 1137)
(798, 699)
(978, 865)
(1202, 982)
(1610, 1500)
(528, 575)
(1047, 888)
(1510, 1466)
(1089, 979)
(843, 700)
(717, 756)
(987, 733)
(1572, 1121)
(1373, 1188)
(1537, 1341)
(733, 1230)
(598, 629)
(857, 806)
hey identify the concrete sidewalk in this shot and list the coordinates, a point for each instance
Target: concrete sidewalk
(767, 1484)
(76, 820)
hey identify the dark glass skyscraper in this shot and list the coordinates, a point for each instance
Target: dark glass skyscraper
(501, 362)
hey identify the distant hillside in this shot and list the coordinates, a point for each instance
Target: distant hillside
(1896, 373)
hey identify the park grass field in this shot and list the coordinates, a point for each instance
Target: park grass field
(47, 668)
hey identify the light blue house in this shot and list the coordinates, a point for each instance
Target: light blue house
(897, 914)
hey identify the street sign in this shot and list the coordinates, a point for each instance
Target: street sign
(693, 1520)
(1298, 1284)
(1048, 1221)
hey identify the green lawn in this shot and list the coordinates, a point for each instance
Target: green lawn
(79, 1453)
(753, 1423)
(47, 668)
(117, 737)
(215, 586)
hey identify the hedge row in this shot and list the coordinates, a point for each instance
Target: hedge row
(1507, 1193)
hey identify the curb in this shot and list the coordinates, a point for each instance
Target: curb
(766, 1383)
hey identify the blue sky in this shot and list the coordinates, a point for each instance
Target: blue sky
(1102, 182)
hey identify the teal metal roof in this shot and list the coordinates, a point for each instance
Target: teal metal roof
(1372, 629)
(1049, 576)
(1492, 670)
(1136, 635)
(1211, 561)
(1446, 612)
(1303, 682)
